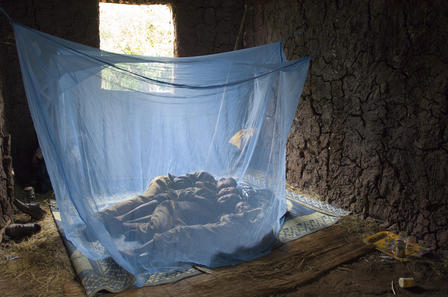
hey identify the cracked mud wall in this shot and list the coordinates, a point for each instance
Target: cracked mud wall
(370, 133)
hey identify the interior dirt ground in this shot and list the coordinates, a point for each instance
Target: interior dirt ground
(40, 266)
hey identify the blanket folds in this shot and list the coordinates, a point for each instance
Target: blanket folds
(192, 211)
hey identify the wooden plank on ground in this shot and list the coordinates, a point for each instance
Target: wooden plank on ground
(294, 264)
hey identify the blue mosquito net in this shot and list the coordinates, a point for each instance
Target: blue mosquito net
(163, 163)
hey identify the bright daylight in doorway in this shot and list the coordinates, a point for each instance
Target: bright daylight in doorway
(137, 29)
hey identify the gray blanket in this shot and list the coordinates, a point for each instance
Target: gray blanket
(193, 213)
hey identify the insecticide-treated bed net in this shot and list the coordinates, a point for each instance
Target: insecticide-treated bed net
(163, 163)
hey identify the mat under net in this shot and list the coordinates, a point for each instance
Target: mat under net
(163, 163)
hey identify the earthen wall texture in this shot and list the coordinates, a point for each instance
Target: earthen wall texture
(370, 133)
(206, 27)
(6, 175)
(72, 20)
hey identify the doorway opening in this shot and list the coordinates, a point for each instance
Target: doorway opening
(137, 29)
(145, 30)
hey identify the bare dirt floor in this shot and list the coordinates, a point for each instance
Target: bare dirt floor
(376, 274)
(40, 266)
(373, 276)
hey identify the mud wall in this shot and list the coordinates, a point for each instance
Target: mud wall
(206, 27)
(73, 20)
(370, 133)
(6, 174)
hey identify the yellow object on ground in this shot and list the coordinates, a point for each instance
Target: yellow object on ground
(406, 282)
(386, 242)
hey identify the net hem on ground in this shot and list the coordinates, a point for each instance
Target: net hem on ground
(305, 216)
